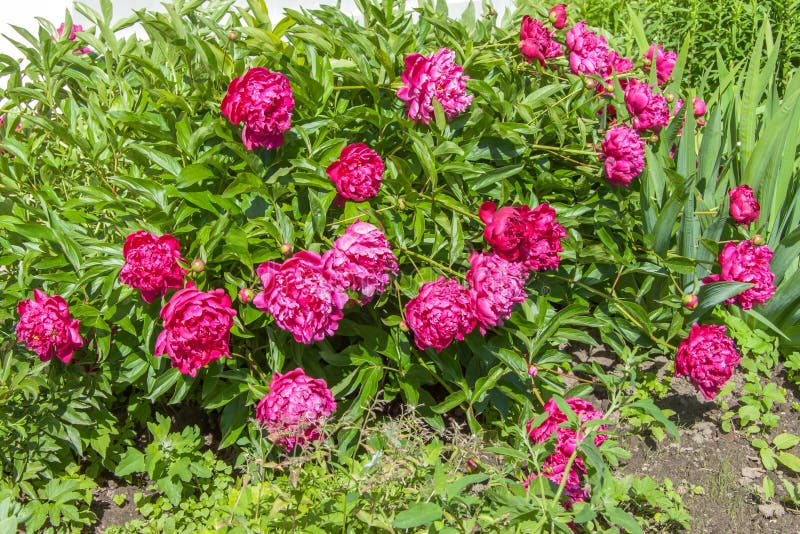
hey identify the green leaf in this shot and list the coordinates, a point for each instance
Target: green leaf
(715, 293)
(418, 514)
(450, 402)
(647, 406)
(620, 518)
(165, 161)
(785, 441)
(789, 460)
(131, 462)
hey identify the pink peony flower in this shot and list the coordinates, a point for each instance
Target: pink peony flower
(294, 409)
(558, 16)
(746, 262)
(623, 153)
(707, 357)
(263, 101)
(567, 438)
(536, 41)
(361, 260)
(442, 311)
(435, 76)
(553, 469)
(530, 236)
(73, 37)
(301, 297)
(357, 173)
(151, 264)
(496, 285)
(588, 52)
(197, 328)
(46, 327)
(665, 62)
(650, 110)
(744, 206)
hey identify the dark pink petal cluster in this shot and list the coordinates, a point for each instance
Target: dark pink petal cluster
(536, 41)
(558, 16)
(295, 408)
(588, 52)
(301, 296)
(554, 469)
(521, 234)
(567, 439)
(744, 209)
(496, 285)
(443, 310)
(263, 100)
(73, 37)
(664, 62)
(357, 173)
(197, 328)
(152, 264)
(708, 357)
(650, 110)
(361, 260)
(746, 262)
(435, 76)
(699, 108)
(46, 327)
(623, 153)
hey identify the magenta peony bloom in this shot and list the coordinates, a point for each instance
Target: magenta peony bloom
(567, 438)
(665, 62)
(623, 153)
(545, 242)
(46, 327)
(435, 76)
(294, 409)
(553, 469)
(558, 16)
(650, 110)
(361, 260)
(357, 173)
(536, 41)
(442, 311)
(588, 52)
(197, 328)
(301, 296)
(496, 285)
(263, 101)
(151, 264)
(744, 206)
(746, 262)
(707, 357)
(72, 37)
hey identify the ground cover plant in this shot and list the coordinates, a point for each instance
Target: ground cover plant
(339, 274)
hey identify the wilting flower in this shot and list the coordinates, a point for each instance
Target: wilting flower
(46, 328)
(566, 438)
(435, 76)
(294, 409)
(301, 296)
(536, 41)
(197, 328)
(262, 99)
(588, 52)
(151, 264)
(357, 173)
(708, 357)
(361, 260)
(72, 37)
(623, 153)
(558, 16)
(650, 110)
(744, 206)
(746, 262)
(496, 285)
(530, 236)
(554, 468)
(664, 60)
(442, 311)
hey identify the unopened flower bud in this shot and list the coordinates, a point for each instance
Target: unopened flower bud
(246, 295)
(403, 326)
(472, 466)
(654, 138)
(401, 203)
(533, 370)
(286, 249)
(758, 239)
(232, 35)
(198, 265)
(670, 97)
(690, 301)
(610, 87)
(590, 83)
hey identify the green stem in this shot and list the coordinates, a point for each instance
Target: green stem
(454, 208)
(433, 262)
(567, 150)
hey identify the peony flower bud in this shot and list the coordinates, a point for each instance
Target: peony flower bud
(758, 239)
(558, 16)
(533, 370)
(246, 295)
(232, 35)
(670, 97)
(589, 83)
(690, 301)
(198, 265)
(286, 249)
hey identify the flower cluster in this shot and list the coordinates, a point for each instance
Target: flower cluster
(442, 311)
(263, 100)
(623, 154)
(357, 173)
(73, 37)
(197, 328)
(496, 285)
(590, 54)
(649, 110)
(744, 206)
(708, 357)
(664, 62)
(536, 41)
(306, 293)
(746, 262)
(436, 76)
(152, 264)
(46, 327)
(294, 409)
